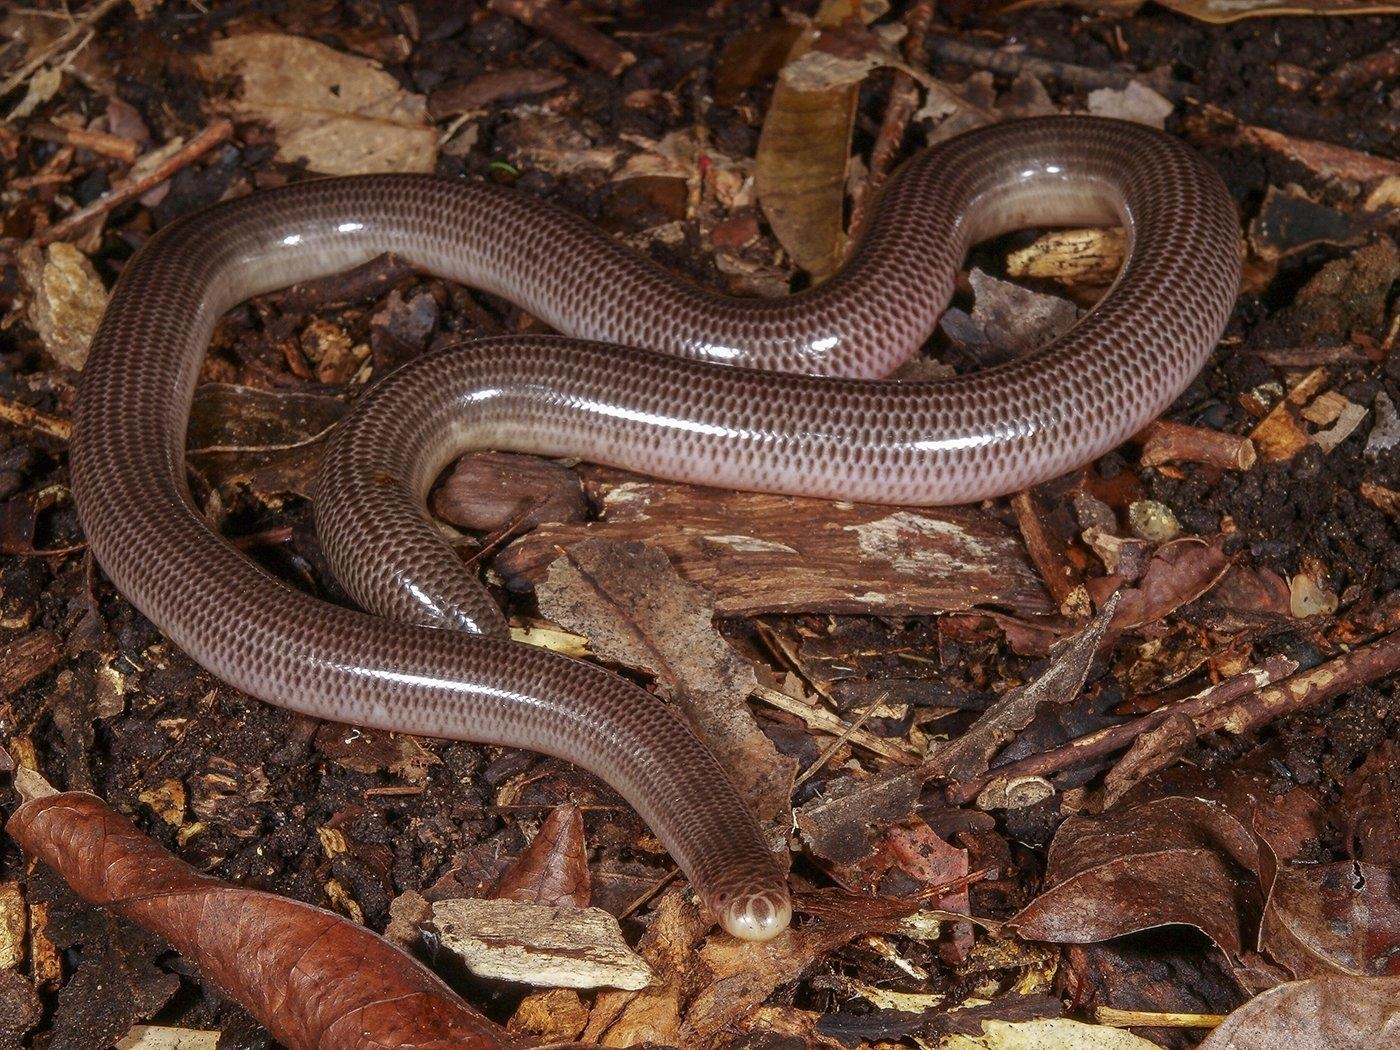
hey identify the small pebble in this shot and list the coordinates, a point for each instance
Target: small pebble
(1385, 434)
(1153, 521)
(1094, 512)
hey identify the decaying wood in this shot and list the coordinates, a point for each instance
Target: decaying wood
(22, 415)
(1168, 442)
(26, 658)
(759, 553)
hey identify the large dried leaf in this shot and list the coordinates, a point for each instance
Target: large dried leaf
(1220, 12)
(804, 153)
(1342, 917)
(1326, 1013)
(341, 114)
(1176, 860)
(310, 977)
(554, 867)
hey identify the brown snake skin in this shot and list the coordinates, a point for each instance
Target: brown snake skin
(687, 413)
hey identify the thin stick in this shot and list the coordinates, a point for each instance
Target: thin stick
(825, 756)
(1168, 442)
(547, 18)
(103, 142)
(216, 133)
(78, 28)
(904, 101)
(32, 419)
(1104, 742)
(1009, 63)
(1324, 682)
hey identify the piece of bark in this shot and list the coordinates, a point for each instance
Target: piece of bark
(758, 553)
(485, 88)
(535, 944)
(26, 658)
(1050, 556)
(312, 978)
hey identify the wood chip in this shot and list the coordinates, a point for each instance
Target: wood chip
(539, 945)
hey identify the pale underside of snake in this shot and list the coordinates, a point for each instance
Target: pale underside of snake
(652, 374)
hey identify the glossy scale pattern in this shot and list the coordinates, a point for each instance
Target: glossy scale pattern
(691, 405)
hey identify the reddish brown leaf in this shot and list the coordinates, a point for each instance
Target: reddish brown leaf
(1328, 917)
(1180, 572)
(1177, 860)
(310, 977)
(554, 867)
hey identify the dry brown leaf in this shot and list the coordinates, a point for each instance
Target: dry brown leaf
(341, 114)
(804, 153)
(1180, 572)
(553, 869)
(1220, 12)
(1338, 917)
(310, 977)
(1326, 1013)
(1174, 860)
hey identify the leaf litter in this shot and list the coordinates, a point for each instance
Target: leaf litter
(1270, 601)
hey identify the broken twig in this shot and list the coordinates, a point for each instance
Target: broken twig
(564, 29)
(206, 140)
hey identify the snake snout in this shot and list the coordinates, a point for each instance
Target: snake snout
(757, 916)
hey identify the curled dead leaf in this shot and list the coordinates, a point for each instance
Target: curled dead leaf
(310, 977)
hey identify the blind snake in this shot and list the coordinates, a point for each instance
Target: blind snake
(775, 395)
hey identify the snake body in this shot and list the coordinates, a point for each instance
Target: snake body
(653, 374)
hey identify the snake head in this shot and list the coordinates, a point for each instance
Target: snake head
(758, 915)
